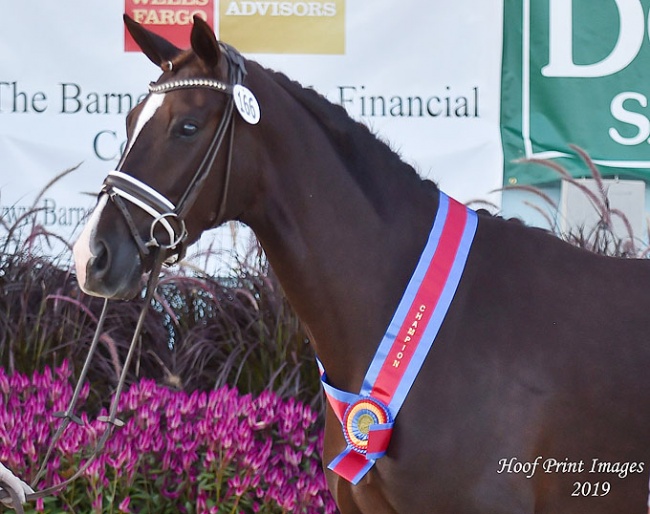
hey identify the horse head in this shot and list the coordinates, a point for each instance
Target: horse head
(177, 161)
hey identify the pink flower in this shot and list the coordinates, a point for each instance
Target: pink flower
(265, 449)
(240, 484)
(124, 505)
(97, 504)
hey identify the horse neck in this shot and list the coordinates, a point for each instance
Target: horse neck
(343, 243)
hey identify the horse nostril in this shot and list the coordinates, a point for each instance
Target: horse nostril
(101, 261)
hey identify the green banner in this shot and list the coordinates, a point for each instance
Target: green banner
(575, 72)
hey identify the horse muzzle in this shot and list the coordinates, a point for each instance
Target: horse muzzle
(107, 261)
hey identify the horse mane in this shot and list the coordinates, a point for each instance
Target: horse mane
(364, 152)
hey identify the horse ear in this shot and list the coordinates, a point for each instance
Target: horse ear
(204, 42)
(155, 47)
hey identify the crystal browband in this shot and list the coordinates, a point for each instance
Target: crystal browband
(217, 85)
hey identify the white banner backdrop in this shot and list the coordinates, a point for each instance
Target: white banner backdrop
(425, 76)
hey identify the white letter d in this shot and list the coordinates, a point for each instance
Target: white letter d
(628, 44)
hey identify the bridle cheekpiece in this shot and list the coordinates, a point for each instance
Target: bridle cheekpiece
(123, 188)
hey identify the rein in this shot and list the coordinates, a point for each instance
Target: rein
(122, 188)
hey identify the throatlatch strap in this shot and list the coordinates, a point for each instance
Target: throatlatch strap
(368, 418)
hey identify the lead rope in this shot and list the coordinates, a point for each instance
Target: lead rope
(111, 420)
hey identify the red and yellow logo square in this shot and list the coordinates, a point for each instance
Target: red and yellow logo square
(170, 19)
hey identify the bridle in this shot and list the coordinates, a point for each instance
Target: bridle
(121, 189)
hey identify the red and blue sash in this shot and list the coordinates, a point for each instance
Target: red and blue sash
(367, 418)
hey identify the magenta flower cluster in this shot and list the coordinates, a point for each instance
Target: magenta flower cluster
(206, 452)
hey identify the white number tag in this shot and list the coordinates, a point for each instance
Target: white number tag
(246, 104)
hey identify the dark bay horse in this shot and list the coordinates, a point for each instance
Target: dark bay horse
(535, 397)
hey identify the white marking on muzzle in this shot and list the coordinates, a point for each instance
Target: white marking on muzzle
(82, 250)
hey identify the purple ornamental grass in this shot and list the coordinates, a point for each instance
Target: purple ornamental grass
(206, 452)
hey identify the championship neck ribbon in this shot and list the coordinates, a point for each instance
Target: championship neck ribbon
(367, 418)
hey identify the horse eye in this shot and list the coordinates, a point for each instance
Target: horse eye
(188, 129)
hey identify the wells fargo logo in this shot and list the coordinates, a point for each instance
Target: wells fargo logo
(169, 18)
(291, 27)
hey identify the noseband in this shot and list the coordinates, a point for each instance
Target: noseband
(123, 188)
